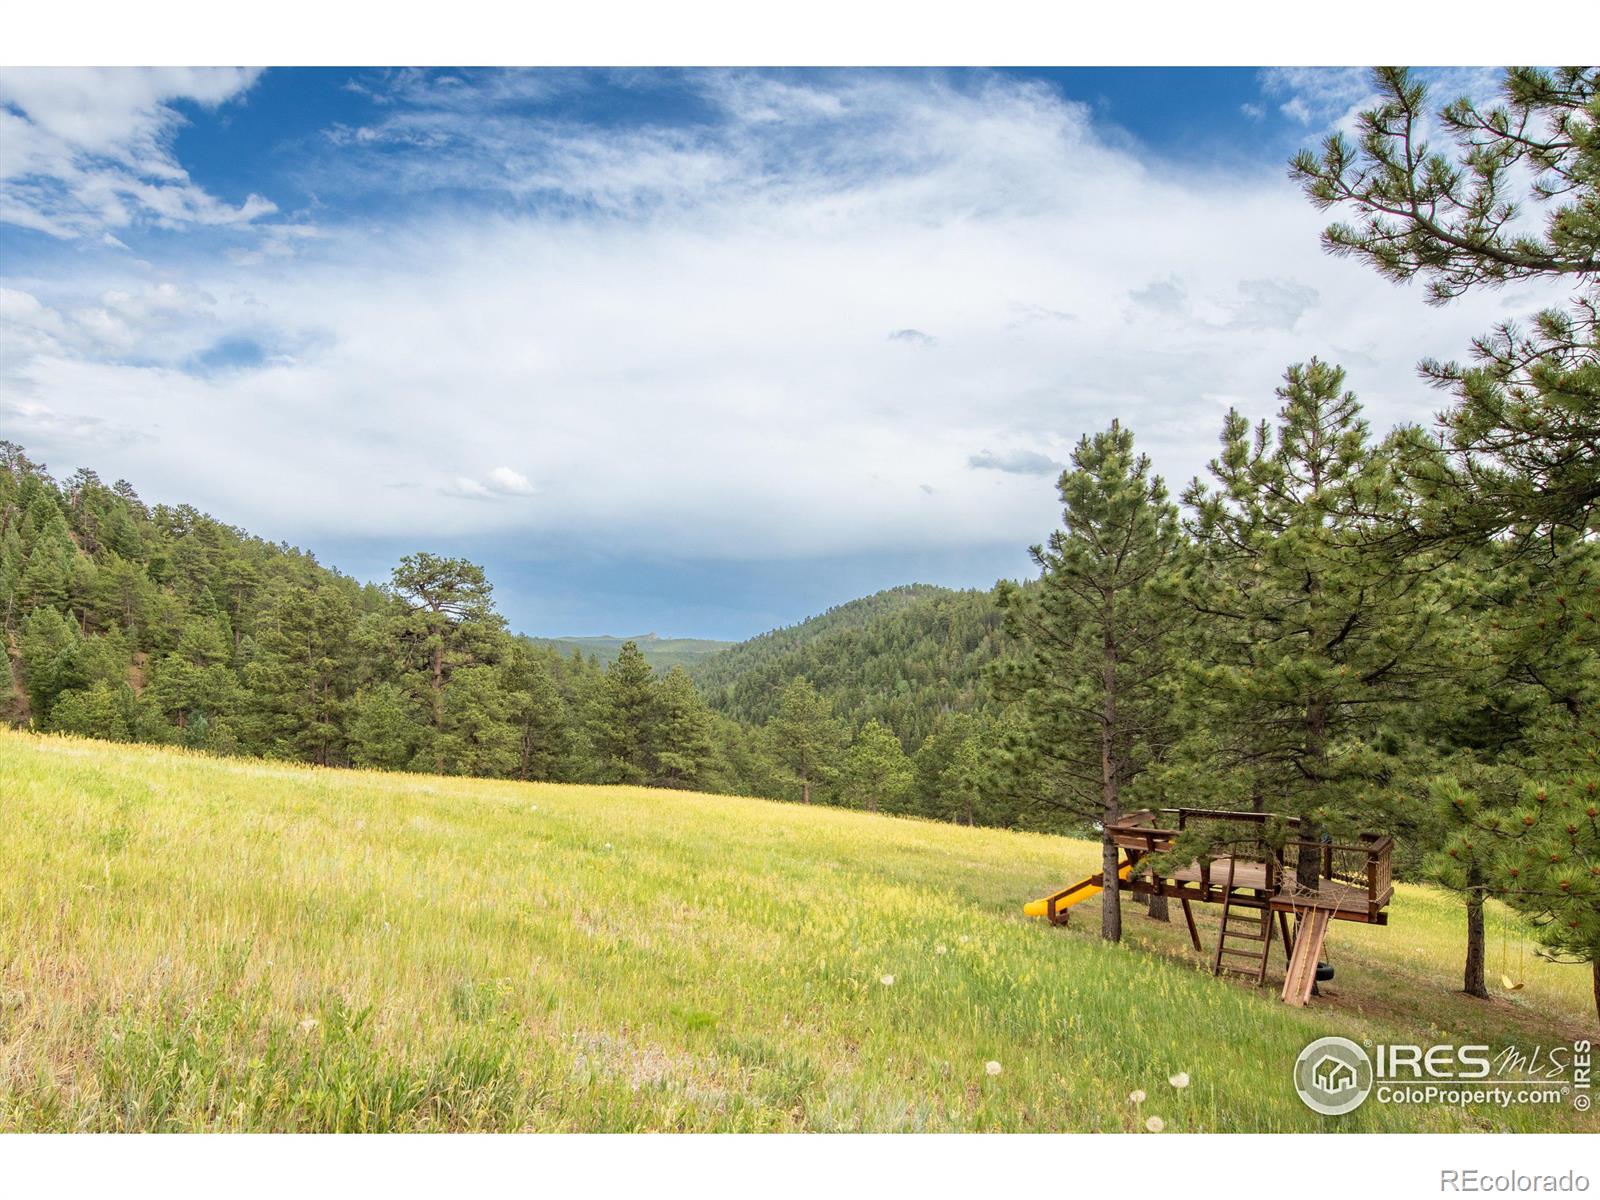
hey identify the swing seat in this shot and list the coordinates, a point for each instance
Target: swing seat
(1324, 972)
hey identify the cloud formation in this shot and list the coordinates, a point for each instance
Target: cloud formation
(677, 328)
(87, 150)
(1016, 462)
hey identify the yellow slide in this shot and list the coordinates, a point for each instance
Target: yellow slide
(1076, 894)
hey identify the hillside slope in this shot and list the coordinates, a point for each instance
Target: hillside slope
(192, 942)
(905, 656)
(661, 653)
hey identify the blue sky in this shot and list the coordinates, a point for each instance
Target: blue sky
(692, 352)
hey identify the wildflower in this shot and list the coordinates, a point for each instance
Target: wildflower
(1180, 1080)
(887, 980)
(941, 948)
(992, 1067)
(308, 1024)
(1155, 1124)
(1137, 1095)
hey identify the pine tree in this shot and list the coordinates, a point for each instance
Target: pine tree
(538, 713)
(46, 576)
(302, 673)
(448, 621)
(194, 686)
(1550, 871)
(100, 711)
(877, 774)
(934, 790)
(624, 720)
(477, 736)
(1514, 472)
(52, 660)
(685, 750)
(1313, 642)
(805, 738)
(384, 728)
(1097, 640)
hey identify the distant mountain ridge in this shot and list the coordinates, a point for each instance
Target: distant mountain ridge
(661, 653)
(905, 655)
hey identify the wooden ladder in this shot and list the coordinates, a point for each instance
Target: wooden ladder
(1309, 932)
(1243, 942)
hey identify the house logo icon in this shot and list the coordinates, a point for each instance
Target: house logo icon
(1333, 1076)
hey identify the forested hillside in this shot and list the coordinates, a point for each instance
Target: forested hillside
(161, 624)
(905, 657)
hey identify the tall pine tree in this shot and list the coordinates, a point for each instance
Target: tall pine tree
(1098, 638)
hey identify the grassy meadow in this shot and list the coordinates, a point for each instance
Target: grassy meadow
(193, 943)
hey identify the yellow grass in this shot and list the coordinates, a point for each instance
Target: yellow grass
(190, 943)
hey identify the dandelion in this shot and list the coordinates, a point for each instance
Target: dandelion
(992, 1067)
(1137, 1095)
(941, 948)
(1155, 1124)
(308, 1024)
(886, 980)
(1180, 1080)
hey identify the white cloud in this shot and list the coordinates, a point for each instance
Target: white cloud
(497, 484)
(1016, 462)
(1331, 98)
(682, 333)
(85, 150)
(1296, 110)
(508, 482)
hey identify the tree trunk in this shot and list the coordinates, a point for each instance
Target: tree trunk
(805, 791)
(1472, 981)
(1111, 898)
(1308, 863)
(1158, 909)
(1594, 970)
(1110, 781)
(438, 705)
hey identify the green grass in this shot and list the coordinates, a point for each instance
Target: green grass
(190, 943)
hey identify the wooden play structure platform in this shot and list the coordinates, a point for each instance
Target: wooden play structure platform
(1255, 883)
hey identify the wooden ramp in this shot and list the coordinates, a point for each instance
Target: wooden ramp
(1309, 932)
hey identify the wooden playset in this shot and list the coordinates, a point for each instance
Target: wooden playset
(1254, 882)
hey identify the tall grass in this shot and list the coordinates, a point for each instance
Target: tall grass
(191, 943)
